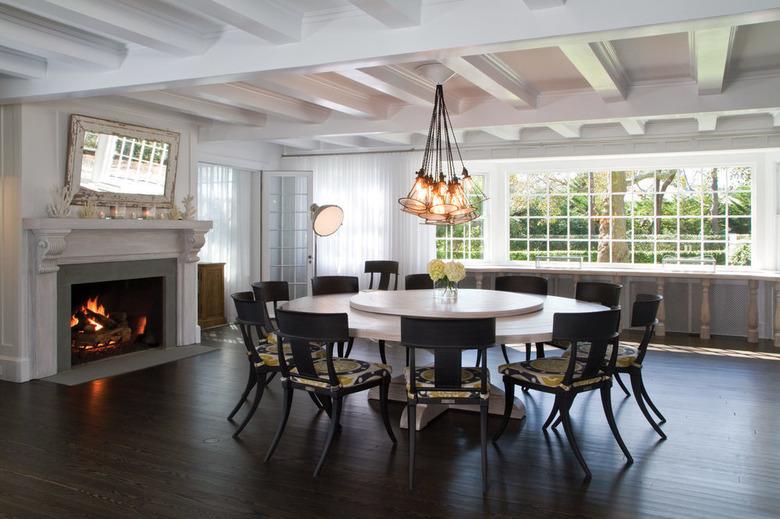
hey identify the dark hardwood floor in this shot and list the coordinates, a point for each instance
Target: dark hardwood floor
(155, 443)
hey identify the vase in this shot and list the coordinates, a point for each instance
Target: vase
(445, 291)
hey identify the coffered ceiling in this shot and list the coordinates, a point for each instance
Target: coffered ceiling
(335, 74)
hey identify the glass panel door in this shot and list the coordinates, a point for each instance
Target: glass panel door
(287, 235)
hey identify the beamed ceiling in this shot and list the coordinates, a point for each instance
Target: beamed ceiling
(321, 75)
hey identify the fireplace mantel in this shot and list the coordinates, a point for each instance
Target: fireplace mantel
(53, 242)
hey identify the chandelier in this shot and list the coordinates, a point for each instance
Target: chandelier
(440, 195)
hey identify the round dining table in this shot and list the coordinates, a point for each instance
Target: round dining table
(375, 315)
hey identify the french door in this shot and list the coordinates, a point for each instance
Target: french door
(287, 236)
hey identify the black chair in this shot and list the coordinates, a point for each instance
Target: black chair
(262, 351)
(630, 359)
(418, 282)
(385, 269)
(327, 285)
(568, 377)
(523, 285)
(447, 381)
(605, 294)
(331, 379)
(271, 292)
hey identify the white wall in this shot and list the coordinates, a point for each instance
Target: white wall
(33, 152)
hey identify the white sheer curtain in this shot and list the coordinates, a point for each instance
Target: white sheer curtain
(225, 197)
(367, 187)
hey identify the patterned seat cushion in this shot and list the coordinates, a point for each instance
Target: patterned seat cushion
(269, 353)
(548, 371)
(350, 372)
(626, 356)
(470, 378)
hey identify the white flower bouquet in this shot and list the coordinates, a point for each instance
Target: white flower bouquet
(445, 277)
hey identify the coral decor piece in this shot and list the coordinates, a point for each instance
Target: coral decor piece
(61, 200)
(174, 213)
(190, 212)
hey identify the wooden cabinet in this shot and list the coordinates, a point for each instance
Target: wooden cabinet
(211, 294)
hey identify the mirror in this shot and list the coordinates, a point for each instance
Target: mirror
(117, 163)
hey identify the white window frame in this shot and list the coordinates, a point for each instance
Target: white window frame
(765, 246)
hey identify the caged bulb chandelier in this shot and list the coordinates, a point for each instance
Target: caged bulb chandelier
(440, 195)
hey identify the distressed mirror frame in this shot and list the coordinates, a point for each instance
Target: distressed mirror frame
(80, 124)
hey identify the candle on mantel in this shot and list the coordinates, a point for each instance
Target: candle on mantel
(145, 213)
(113, 211)
(101, 214)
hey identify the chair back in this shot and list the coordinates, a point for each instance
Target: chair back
(643, 315)
(606, 294)
(325, 285)
(300, 330)
(522, 284)
(599, 329)
(418, 282)
(251, 316)
(385, 269)
(270, 292)
(447, 338)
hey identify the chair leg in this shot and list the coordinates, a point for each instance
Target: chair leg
(381, 352)
(509, 400)
(326, 405)
(650, 402)
(539, 350)
(565, 405)
(528, 352)
(606, 402)
(621, 384)
(483, 418)
(250, 383)
(553, 414)
(270, 378)
(411, 422)
(636, 385)
(334, 426)
(288, 395)
(316, 400)
(384, 390)
(349, 346)
(505, 352)
(258, 396)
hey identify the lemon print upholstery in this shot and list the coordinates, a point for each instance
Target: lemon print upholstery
(548, 371)
(626, 356)
(470, 378)
(350, 372)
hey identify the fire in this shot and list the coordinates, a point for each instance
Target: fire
(73, 321)
(96, 324)
(141, 328)
(92, 304)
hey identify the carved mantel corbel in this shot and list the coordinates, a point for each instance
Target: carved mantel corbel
(48, 246)
(194, 239)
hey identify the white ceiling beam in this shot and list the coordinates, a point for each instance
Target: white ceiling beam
(568, 130)
(301, 144)
(120, 21)
(707, 122)
(543, 4)
(330, 45)
(711, 50)
(392, 13)
(395, 81)
(217, 132)
(495, 77)
(20, 65)
(32, 34)
(329, 94)
(405, 139)
(267, 19)
(200, 108)
(633, 126)
(244, 95)
(503, 132)
(599, 65)
(344, 141)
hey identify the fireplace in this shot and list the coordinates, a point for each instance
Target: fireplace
(115, 317)
(113, 308)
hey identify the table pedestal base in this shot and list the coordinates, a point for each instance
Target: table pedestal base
(426, 413)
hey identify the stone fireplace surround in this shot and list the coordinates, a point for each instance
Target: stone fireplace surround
(61, 241)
